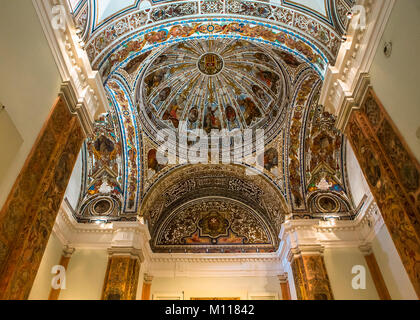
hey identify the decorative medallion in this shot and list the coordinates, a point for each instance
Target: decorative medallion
(102, 207)
(213, 225)
(229, 85)
(328, 204)
(210, 64)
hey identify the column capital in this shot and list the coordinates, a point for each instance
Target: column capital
(283, 278)
(126, 251)
(68, 251)
(366, 249)
(148, 278)
(315, 249)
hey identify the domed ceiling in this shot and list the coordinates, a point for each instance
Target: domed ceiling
(258, 67)
(215, 85)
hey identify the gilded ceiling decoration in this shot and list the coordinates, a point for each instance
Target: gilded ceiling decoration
(102, 192)
(214, 225)
(215, 65)
(315, 34)
(215, 85)
(105, 25)
(228, 181)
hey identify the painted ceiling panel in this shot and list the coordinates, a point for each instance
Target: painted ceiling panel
(106, 8)
(74, 4)
(316, 5)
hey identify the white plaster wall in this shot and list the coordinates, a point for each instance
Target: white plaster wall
(339, 263)
(395, 79)
(392, 269)
(232, 287)
(357, 182)
(85, 275)
(73, 188)
(52, 255)
(29, 82)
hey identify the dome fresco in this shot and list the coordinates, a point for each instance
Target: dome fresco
(181, 67)
(214, 85)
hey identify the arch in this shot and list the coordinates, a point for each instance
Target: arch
(214, 224)
(131, 142)
(121, 51)
(193, 182)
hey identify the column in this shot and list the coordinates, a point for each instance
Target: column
(29, 213)
(147, 285)
(64, 262)
(284, 284)
(309, 273)
(375, 272)
(393, 175)
(122, 274)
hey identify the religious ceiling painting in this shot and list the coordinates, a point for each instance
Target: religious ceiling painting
(190, 183)
(323, 23)
(341, 9)
(213, 85)
(81, 18)
(215, 29)
(214, 225)
(294, 141)
(154, 169)
(324, 167)
(224, 66)
(102, 193)
(132, 143)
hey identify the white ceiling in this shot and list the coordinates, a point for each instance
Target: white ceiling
(316, 5)
(106, 8)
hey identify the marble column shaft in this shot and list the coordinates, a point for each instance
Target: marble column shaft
(393, 175)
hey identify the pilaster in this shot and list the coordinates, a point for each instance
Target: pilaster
(28, 216)
(375, 272)
(64, 262)
(285, 288)
(310, 273)
(147, 285)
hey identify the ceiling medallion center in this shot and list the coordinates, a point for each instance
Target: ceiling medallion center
(210, 64)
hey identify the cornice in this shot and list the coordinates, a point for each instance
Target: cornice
(126, 251)
(346, 81)
(67, 93)
(297, 237)
(353, 101)
(82, 87)
(214, 259)
(300, 237)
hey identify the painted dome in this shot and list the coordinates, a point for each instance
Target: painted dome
(213, 85)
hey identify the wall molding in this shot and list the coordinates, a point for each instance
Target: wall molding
(345, 81)
(297, 236)
(82, 87)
